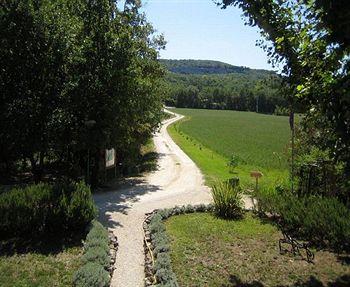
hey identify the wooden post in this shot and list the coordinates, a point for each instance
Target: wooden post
(256, 175)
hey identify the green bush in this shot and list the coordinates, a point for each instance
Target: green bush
(91, 275)
(96, 254)
(43, 208)
(96, 242)
(97, 231)
(227, 200)
(323, 221)
(95, 260)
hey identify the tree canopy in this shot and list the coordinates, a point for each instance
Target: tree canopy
(310, 40)
(76, 76)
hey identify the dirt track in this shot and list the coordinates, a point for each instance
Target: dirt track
(177, 181)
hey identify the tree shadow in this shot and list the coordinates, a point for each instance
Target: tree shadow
(342, 281)
(45, 245)
(120, 198)
(149, 162)
(344, 259)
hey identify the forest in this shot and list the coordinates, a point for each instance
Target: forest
(216, 85)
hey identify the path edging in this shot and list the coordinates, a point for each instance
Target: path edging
(158, 269)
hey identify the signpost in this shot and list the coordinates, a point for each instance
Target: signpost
(256, 175)
(110, 158)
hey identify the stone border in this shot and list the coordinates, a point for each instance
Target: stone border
(113, 249)
(158, 269)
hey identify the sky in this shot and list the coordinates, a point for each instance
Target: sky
(198, 29)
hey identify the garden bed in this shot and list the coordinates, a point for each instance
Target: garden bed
(204, 250)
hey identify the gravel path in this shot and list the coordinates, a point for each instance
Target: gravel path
(177, 181)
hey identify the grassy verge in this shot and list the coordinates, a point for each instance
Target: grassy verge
(37, 268)
(207, 251)
(214, 165)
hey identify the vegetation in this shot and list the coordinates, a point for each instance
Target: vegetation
(215, 85)
(38, 267)
(205, 67)
(160, 242)
(96, 260)
(256, 141)
(321, 221)
(227, 200)
(310, 41)
(87, 79)
(46, 210)
(209, 251)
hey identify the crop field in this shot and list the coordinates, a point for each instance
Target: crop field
(211, 137)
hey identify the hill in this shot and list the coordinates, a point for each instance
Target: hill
(206, 67)
(216, 85)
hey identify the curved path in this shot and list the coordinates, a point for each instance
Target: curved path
(177, 181)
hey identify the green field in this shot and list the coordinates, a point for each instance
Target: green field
(210, 137)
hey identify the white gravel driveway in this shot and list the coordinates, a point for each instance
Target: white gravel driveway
(177, 181)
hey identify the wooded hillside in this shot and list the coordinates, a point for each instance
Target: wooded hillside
(216, 85)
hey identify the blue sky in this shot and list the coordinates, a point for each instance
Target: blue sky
(198, 29)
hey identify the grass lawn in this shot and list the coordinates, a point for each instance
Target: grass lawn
(210, 137)
(39, 268)
(207, 251)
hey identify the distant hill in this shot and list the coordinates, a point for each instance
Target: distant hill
(206, 67)
(215, 85)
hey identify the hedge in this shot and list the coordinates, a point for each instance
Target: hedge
(95, 260)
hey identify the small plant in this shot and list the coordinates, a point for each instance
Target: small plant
(233, 163)
(92, 275)
(227, 200)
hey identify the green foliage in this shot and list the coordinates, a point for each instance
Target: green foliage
(227, 200)
(95, 259)
(204, 67)
(91, 275)
(281, 111)
(96, 254)
(212, 85)
(310, 39)
(43, 208)
(79, 65)
(320, 220)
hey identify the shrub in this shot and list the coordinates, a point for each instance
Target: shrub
(97, 231)
(95, 260)
(96, 254)
(91, 275)
(43, 208)
(323, 221)
(227, 200)
(96, 242)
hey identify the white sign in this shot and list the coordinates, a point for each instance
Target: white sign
(110, 157)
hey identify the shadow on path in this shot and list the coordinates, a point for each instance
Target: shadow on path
(120, 198)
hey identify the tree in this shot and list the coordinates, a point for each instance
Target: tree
(311, 40)
(79, 77)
